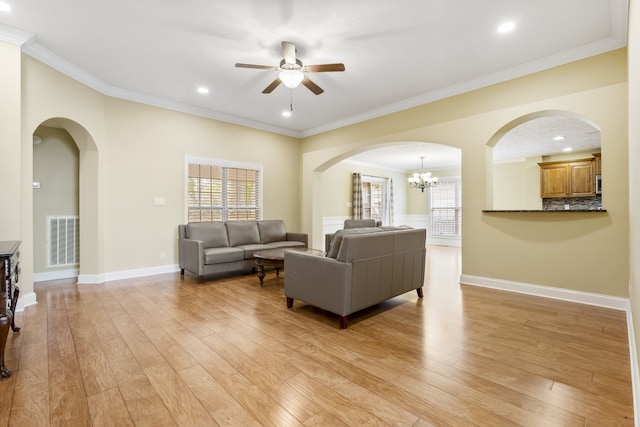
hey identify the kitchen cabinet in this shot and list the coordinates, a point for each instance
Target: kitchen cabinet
(597, 158)
(567, 179)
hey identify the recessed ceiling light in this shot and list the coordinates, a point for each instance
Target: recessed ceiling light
(558, 138)
(203, 90)
(4, 7)
(286, 114)
(506, 27)
(567, 149)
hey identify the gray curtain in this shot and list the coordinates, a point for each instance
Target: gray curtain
(357, 196)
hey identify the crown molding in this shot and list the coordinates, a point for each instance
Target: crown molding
(15, 36)
(618, 39)
(563, 58)
(44, 55)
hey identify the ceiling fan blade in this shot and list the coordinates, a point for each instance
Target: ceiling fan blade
(289, 52)
(272, 86)
(312, 86)
(324, 68)
(260, 67)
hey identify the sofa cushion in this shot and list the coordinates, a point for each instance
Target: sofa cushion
(222, 255)
(359, 223)
(288, 244)
(249, 250)
(272, 231)
(213, 234)
(243, 233)
(334, 248)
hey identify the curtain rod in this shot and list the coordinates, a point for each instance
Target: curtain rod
(373, 176)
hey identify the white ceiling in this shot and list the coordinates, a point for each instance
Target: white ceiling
(397, 54)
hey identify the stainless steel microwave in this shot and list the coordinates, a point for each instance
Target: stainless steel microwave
(598, 184)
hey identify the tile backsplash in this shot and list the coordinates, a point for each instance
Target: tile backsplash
(575, 203)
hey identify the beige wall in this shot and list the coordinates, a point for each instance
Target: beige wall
(10, 104)
(147, 147)
(634, 172)
(542, 249)
(516, 185)
(129, 153)
(126, 142)
(56, 162)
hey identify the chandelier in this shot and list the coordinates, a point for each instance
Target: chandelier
(422, 179)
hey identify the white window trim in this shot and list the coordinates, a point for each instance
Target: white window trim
(222, 163)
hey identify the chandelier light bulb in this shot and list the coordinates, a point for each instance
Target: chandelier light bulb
(422, 179)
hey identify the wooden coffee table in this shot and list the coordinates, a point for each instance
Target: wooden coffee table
(275, 258)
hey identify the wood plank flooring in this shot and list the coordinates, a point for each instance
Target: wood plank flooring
(165, 351)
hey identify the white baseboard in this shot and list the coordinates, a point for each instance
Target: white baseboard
(94, 279)
(25, 300)
(55, 275)
(635, 374)
(599, 300)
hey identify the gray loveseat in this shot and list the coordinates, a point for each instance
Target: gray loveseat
(363, 267)
(217, 247)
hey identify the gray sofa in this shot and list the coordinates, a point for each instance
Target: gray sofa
(217, 247)
(363, 267)
(351, 223)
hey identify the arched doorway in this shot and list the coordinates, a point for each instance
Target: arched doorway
(395, 161)
(85, 196)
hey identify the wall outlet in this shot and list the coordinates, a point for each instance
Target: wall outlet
(163, 255)
(567, 207)
(159, 201)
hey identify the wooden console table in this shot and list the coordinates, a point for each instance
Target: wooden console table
(9, 268)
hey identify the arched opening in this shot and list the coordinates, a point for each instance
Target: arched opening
(65, 211)
(395, 162)
(547, 160)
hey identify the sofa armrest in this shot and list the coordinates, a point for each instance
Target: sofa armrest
(298, 237)
(193, 258)
(319, 281)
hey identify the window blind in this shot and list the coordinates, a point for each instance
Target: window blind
(446, 207)
(223, 193)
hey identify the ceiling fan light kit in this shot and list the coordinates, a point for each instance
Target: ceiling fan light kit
(291, 78)
(292, 71)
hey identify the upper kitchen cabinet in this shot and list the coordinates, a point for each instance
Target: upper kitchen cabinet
(567, 179)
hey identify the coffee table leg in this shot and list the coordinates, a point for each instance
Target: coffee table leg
(277, 272)
(260, 273)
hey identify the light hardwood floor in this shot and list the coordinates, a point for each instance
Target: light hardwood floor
(161, 351)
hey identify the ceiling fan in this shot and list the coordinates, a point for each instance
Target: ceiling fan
(292, 70)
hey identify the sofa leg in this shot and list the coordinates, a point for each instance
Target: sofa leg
(200, 280)
(182, 271)
(343, 322)
(419, 291)
(289, 302)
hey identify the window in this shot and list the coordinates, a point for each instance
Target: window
(446, 207)
(374, 199)
(223, 191)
